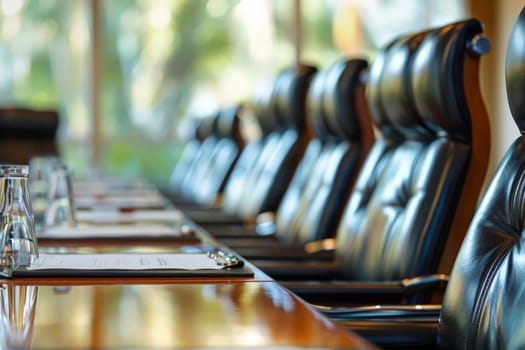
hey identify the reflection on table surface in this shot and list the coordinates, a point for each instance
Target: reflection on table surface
(162, 316)
(219, 311)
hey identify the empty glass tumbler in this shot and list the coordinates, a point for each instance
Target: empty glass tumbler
(40, 170)
(60, 210)
(18, 243)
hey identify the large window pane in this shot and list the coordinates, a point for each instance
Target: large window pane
(164, 61)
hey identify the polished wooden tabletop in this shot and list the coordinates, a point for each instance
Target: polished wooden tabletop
(164, 316)
(159, 312)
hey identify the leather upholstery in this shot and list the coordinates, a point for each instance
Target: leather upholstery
(485, 297)
(226, 150)
(187, 160)
(515, 68)
(205, 165)
(25, 133)
(280, 149)
(311, 207)
(399, 214)
(245, 168)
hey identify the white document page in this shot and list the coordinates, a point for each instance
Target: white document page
(109, 231)
(124, 262)
(127, 201)
(109, 216)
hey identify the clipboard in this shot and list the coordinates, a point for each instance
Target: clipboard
(211, 264)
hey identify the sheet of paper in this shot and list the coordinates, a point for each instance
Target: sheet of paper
(109, 231)
(124, 262)
(88, 191)
(122, 201)
(106, 184)
(114, 216)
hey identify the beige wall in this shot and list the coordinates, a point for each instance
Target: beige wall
(498, 16)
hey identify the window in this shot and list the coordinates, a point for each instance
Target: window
(164, 61)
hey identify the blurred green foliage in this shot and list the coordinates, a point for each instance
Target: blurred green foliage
(157, 56)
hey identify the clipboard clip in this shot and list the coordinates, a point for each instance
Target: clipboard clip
(225, 259)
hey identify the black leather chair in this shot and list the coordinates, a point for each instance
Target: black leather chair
(229, 143)
(424, 96)
(207, 160)
(25, 133)
(232, 192)
(260, 186)
(314, 200)
(482, 307)
(187, 161)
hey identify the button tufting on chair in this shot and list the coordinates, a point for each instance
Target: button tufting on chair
(419, 185)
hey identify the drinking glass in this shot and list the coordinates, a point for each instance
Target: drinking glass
(40, 170)
(60, 210)
(18, 243)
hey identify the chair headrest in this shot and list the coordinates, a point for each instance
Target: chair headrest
(206, 127)
(438, 75)
(389, 94)
(515, 71)
(331, 107)
(289, 95)
(262, 109)
(416, 83)
(228, 125)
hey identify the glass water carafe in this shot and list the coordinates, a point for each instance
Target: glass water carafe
(18, 243)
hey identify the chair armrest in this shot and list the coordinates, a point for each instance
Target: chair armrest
(429, 312)
(287, 270)
(274, 249)
(281, 251)
(359, 292)
(212, 216)
(265, 224)
(250, 241)
(233, 233)
(272, 241)
(401, 331)
(327, 244)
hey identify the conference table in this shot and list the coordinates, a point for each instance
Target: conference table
(235, 307)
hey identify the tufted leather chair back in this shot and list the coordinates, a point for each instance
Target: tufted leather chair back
(185, 162)
(404, 203)
(485, 297)
(313, 202)
(248, 159)
(280, 151)
(207, 159)
(206, 131)
(227, 147)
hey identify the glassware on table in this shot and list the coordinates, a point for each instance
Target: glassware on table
(17, 314)
(40, 170)
(18, 243)
(60, 209)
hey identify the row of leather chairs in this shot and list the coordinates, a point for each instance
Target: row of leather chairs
(484, 295)
(207, 159)
(403, 205)
(414, 198)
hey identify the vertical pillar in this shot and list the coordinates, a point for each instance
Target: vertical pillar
(298, 34)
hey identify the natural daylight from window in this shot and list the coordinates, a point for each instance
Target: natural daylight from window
(167, 61)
